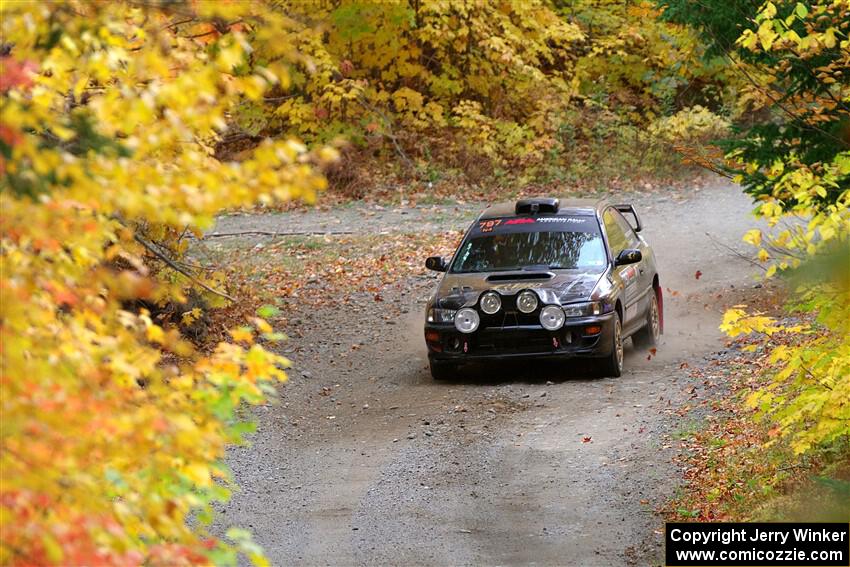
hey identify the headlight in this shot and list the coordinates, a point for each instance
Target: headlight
(467, 320)
(491, 303)
(526, 301)
(552, 317)
(437, 315)
(583, 309)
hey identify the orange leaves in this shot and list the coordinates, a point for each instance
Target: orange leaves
(346, 67)
(130, 284)
(9, 136)
(61, 295)
(242, 335)
(15, 73)
(62, 544)
(109, 420)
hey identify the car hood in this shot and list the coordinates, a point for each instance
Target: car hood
(555, 287)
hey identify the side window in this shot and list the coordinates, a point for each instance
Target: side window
(631, 238)
(616, 235)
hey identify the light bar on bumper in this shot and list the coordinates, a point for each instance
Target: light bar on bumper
(467, 320)
(552, 317)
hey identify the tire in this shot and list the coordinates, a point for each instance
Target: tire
(648, 335)
(442, 370)
(612, 365)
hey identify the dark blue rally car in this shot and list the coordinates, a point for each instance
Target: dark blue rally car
(544, 278)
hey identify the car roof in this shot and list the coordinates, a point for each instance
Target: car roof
(567, 207)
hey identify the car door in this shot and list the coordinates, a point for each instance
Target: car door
(644, 267)
(618, 240)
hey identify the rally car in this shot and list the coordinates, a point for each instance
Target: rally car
(544, 278)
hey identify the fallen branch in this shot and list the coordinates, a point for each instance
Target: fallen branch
(719, 244)
(174, 266)
(271, 233)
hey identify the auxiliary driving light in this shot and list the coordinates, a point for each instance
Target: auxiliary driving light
(526, 301)
(491, 303)
(467, 320)
(552, 317)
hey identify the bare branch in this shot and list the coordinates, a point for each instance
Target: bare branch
(276, 233)
(176, 267)
(719, 244)
(389, 130)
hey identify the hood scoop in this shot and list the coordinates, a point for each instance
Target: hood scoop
(535, 276)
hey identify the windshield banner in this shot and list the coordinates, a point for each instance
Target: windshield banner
(537, 224)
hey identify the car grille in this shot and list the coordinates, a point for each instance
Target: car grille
(524, 339)
(511, 317)
(508, 341)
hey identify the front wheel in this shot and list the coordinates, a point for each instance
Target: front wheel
(612, 365)
(648, 335)
(442, 370)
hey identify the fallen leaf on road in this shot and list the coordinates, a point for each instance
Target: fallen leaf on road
(586, 439)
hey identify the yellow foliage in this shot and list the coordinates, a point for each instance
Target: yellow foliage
(809, 398)
(110, 113)
(422, 63)
(690, 126)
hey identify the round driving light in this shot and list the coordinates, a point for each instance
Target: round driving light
(467, 320)
(526, 301)
(491, 303)
(552, 317)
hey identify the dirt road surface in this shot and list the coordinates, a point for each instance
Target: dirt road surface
(367, 460)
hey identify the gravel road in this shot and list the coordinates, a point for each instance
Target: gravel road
(366, 460)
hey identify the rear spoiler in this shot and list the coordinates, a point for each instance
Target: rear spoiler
(630, 210)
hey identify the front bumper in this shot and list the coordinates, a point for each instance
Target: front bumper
(445, 343)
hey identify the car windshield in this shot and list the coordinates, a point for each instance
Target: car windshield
(565, 250)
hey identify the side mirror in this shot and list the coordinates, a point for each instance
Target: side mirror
(628, 256)
(439, 264)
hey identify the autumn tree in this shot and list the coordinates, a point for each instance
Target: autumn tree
(496, 74)
(793, 59)
(113, 429)
(794, 160)
(640, 65)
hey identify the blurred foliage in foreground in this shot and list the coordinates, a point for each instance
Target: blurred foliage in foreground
(113, 429)
(801, 181)
(795, 57)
